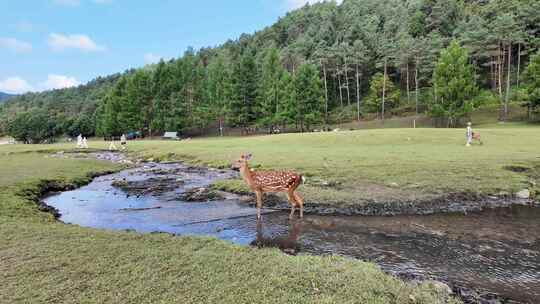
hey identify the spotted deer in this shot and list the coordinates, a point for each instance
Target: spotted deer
(262, 182)
(476, 136)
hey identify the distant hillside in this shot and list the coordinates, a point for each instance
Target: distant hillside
(5, 96)
(322, 63)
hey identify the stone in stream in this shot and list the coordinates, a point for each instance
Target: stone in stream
(154, 185)
(200, 195)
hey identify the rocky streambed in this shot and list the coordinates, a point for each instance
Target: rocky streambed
(485, 256)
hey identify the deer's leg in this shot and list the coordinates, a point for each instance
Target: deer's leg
(259, 195)
(300, 202)
(292, 200)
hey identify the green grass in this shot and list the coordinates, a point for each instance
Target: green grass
(485, 116)
(378, 165)
(354, 167)
(25, 173)
(43, 261)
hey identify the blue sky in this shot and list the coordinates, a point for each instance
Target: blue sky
(46, 44)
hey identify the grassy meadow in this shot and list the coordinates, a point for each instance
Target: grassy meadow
(375, 165)
(45, 261)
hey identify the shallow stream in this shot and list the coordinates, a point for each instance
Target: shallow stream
(493, 254)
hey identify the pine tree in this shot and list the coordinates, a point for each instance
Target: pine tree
(455, 84)
(286, 111)
(309, 95)
(245, 79)
(268, 91)
(219, 91)
(532, 80)
(138, 97)
(112, 107)
(506, 32)
(379, 85)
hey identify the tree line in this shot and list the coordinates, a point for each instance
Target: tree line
(195, 92)
(328, 63)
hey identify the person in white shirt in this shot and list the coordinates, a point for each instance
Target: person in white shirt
(79, 141)
(112, 146)
(123, 141)
(469, 134)
(84, 143)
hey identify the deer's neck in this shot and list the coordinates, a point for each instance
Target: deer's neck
(246, 174)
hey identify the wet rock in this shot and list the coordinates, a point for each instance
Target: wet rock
(523, 194)
(196, 170)
(162, 171)
(49, 209)
(120, 183)
(200, 195)
(140, 209)
(247, 199)
(154, 186)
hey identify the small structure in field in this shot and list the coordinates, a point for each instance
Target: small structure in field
(170, 135)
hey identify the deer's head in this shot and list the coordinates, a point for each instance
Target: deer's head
(241, 162)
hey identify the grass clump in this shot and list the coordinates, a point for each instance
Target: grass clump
(237, 186)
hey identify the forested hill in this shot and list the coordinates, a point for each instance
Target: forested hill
(321, 63)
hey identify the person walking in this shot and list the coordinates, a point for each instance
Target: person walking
(112, 146)
(84, 143)
(123, 142)
(79, 141)
(469, 134)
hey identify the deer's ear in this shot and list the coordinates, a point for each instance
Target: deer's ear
(248, 156)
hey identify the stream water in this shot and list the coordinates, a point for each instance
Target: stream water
(493, 254)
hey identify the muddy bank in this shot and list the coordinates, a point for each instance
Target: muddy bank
(451, 203)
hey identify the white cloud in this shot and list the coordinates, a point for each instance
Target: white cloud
(292, 4)
(150, 58)
(15, 45)
(58, 82)
(67, 2)
(60, 42)
(15, 85)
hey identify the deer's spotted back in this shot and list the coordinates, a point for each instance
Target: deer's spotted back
(276, 180)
